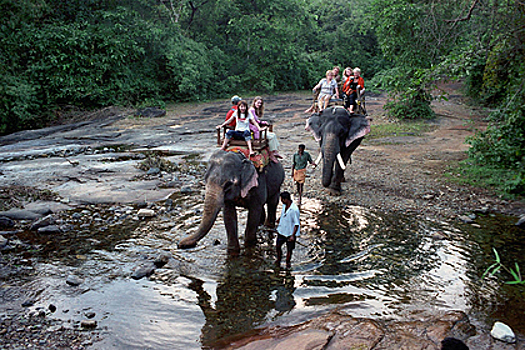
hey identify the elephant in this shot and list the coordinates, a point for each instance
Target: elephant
(339, 133)
(233, 181)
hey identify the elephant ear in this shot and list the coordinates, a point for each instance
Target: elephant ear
(248, 177)
(359, 127)
(314, 124)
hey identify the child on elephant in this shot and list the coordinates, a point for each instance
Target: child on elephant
(257, 111)
(242, 127)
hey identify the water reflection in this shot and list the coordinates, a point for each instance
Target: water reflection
(370, 263)
(247, 295)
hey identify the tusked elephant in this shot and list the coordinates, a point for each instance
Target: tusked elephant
(339, 134)
(233, 181)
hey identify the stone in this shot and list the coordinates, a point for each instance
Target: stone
(521, 221)
(466, 219)
(45, 221)
(146, 213)
(161, 260)
(49, 229)
(153, 171)
(503, 332)
(90, 314)
(88, 324)
(150, 112)
(3, 241)
(6, 222)
(20, 214)
(74, 280)
(143, 271)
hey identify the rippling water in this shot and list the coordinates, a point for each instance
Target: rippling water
(373, 265)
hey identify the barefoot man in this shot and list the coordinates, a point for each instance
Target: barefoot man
(299, 162)
(288, 227)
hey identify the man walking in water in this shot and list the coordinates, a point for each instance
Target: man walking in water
(287, 229)
(299, 162)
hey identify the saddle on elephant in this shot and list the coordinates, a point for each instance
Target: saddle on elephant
(259, 160)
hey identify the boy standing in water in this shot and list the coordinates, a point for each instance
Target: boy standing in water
(288, 227)
(299, 162)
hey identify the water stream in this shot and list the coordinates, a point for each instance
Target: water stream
(372, 264)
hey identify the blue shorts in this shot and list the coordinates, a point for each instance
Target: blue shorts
(290, 245)
(239, 135)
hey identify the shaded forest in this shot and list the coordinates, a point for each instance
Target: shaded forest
(93, 53)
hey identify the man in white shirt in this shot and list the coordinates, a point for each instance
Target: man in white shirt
(287, 229)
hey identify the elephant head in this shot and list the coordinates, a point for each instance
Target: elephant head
(229, 178)
(232, 181)
(339, 134)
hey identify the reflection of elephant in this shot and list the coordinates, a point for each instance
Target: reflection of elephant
(338, 134)
(232, 181)
(243, 300)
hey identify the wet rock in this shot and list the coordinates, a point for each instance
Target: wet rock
(161, 260)
(45, 221)
(521, 221)
(49, 229)
(186, 190)
(307, 339)
(3, 241)
(466, 219)
(76, 216)
(90, 314)
(153, 171)
(21, 214)
(146, 213)
(6, 222)
(503, 332)
(88, 324)
(28, 303)
(142, 205)
(52, 308)
(216, 242)
(143, 271)
(74, 280)
(150, 112)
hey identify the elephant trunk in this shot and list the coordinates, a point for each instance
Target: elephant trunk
(330, 151)
(213, 203)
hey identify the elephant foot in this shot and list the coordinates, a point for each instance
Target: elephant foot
(186, 244)
(234, 251)
(334, 191)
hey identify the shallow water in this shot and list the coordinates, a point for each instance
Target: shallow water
(372, 264)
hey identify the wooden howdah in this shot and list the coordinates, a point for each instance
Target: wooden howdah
(257, 145)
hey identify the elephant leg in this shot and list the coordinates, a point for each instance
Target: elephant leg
(254, 219)
(230, 222)
(272, 203)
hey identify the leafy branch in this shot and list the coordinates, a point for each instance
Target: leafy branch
(498, 265)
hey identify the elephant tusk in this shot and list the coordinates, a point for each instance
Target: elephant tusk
(319, 157)
(340, 160)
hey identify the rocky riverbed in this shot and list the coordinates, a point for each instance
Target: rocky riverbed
(116, 170)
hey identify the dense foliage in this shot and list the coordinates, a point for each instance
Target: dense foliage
(92, 53)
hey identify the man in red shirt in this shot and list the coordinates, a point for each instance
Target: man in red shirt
(235, 101)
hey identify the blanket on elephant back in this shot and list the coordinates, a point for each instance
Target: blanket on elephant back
(259, 160)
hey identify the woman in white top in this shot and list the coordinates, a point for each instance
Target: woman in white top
(328, 88)
(242, 127)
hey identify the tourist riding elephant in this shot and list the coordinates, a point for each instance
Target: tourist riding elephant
(233, 181)
(339, 134)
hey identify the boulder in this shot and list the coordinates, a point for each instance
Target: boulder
(503, 332)
(6, 222)
(521, 221)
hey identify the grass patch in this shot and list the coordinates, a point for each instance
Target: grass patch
(509, 184)
(404, 128)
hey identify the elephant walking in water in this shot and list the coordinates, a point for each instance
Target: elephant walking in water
(339, 134)
(233, 181)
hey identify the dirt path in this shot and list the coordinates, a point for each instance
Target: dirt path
(399, 172)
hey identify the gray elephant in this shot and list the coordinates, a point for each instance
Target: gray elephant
(339, 134)
(233, 181)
